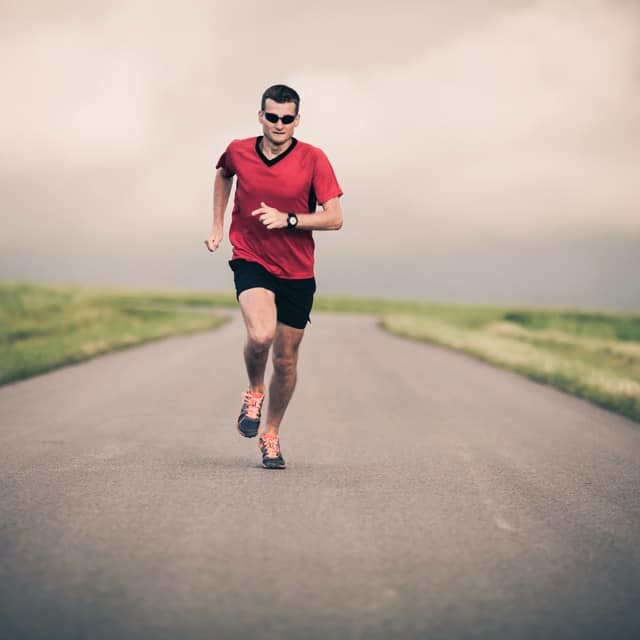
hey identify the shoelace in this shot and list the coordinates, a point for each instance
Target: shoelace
(253, 402)
(272, 445)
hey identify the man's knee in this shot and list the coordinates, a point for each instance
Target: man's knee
(285, 363)
(260, 340)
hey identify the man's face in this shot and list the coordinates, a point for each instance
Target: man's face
(277, 132)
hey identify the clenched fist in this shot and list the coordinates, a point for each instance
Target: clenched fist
(214, 240)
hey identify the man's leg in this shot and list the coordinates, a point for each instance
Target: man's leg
(259, 312)
(285, 359)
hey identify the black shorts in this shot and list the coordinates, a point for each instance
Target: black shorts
(294, 298)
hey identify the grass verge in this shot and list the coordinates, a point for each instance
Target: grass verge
(46, 327)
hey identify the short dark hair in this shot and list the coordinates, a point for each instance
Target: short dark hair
(281, 93)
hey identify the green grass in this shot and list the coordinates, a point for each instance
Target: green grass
(46, 327)
(594, 355)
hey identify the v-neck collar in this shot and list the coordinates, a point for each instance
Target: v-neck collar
(282, 156)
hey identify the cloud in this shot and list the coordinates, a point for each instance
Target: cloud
(526, 122)
(72, 100)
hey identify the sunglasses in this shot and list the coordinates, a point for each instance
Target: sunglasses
(272, 117)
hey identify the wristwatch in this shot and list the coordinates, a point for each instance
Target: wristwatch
(292, 221)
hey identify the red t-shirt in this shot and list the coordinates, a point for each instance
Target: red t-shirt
(295, 181)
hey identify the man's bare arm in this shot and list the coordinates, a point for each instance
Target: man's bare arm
(329, 219)
(221, 191)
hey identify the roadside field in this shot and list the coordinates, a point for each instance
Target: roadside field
(45, 327)
(592, 355)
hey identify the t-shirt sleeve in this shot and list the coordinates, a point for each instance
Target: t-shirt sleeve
(325, 183)
(226, 163)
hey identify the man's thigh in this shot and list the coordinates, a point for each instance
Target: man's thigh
(258, 307)
(255, 292)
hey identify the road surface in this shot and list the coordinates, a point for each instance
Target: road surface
(427, 495)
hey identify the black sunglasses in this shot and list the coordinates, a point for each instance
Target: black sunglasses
(272, 117)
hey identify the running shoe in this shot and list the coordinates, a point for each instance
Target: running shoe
(270, 448)
(249, 418)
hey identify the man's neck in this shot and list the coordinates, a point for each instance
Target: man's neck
(271, 150)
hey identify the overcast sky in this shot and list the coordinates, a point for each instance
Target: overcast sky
(489, 150)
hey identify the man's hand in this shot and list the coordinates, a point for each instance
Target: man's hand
(270, 217)
(214, 239)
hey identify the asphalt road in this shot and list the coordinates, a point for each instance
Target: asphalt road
(427, 495)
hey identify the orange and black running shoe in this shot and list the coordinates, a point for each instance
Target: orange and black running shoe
(270, 448)
(249, 418)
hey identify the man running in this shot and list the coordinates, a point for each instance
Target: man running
(280, 182)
